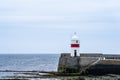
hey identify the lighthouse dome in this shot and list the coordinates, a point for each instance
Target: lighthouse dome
(75, 37)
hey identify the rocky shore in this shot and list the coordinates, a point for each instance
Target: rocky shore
(105, 77)
(38, 75)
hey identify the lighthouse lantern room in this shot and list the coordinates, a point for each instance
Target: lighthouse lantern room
(75, 45)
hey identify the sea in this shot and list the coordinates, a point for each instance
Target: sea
(36, 62)
(28, 62)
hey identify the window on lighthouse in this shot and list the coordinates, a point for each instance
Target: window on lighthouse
(76, 41)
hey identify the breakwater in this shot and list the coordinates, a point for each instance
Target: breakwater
(96, 64)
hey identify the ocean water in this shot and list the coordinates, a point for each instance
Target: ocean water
(41, 62)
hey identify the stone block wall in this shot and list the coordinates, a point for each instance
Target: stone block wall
(68, 63)
(90, 64)
(74, 64)
(84, 61)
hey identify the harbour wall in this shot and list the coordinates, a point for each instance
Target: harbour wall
(74, 64)
(105, 67)
(88, 64)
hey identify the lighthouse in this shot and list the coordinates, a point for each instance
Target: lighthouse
(75, 45)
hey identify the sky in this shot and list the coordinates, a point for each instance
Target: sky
(46, 26)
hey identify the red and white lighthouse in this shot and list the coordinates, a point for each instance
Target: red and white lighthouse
(75, 45)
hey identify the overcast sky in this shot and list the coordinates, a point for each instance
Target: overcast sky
(46, 26)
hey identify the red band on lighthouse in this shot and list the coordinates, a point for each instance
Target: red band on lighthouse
(75, 45)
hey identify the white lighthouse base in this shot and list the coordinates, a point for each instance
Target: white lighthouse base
(75, 52)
